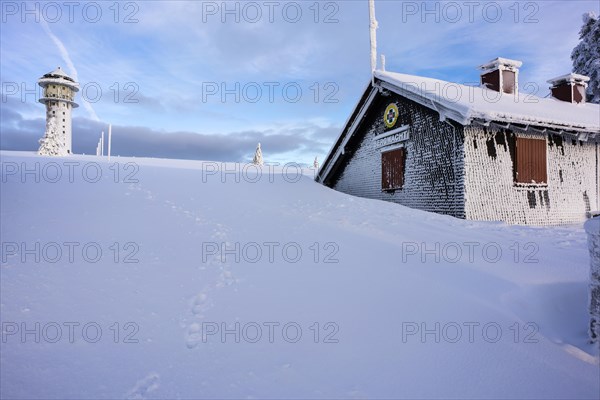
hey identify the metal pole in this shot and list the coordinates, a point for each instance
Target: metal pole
(373, 30)
(109, 139)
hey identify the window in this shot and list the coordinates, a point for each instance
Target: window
(392, 169)
(530, 161)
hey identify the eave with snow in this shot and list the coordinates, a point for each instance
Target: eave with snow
(475, 104)
(58, 78)
(470, 114)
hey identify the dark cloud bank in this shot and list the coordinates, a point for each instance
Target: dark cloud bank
(19, 133)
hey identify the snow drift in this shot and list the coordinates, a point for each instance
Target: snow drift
(145, 278)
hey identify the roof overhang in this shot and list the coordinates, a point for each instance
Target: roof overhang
(447, 111)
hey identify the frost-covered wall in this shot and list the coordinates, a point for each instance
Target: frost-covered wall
(593, 229)
(467, 172)
(491, 194)
(433, 179)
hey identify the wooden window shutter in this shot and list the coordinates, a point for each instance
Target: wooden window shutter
(530, 163)
(392, 169)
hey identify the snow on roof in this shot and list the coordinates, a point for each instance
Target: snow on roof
(573, 78)
(58, 73)
(496, 62)
(467, 103)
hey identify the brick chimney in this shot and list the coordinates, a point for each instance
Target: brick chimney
(569, 88)
(501, 75)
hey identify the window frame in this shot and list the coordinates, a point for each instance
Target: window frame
(393, 185)
(526, 150)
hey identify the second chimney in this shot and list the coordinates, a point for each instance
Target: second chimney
(501, 75)
(569, 88)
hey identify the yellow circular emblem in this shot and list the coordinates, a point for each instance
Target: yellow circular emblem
(391, 115)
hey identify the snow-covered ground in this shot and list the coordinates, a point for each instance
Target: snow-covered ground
(271, 285)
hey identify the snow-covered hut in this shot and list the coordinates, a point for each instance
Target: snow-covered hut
(484, 152)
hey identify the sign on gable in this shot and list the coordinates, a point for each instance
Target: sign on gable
(392, 137)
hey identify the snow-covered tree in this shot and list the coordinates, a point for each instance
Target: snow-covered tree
(258, 158)
(53, 142)
(586, 55)
(316, 163)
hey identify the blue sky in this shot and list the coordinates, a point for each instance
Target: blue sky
(157, 70)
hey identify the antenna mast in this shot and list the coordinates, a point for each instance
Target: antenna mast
(373, 27)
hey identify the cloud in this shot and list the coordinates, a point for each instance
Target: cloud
(289, 143)
(67, 59)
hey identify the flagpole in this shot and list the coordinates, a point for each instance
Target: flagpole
(373, 30)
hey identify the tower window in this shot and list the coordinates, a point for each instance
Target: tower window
(63, 113)
(63, 120)
(53, 112)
